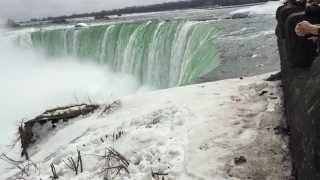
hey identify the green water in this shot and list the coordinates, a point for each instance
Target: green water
(158, 53)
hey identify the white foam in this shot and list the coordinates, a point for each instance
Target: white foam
(266, 8)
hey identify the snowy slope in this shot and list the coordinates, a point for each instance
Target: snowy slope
(191, 132)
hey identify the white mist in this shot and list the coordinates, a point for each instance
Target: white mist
(30, 83)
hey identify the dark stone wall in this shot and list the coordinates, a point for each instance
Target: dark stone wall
(301, 85)
(302, 96)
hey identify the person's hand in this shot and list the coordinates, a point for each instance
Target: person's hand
(305, 27)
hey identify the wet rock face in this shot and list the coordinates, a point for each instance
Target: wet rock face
(301, 85)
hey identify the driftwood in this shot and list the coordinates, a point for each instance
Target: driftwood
(27, 136)
(62, 113)
(53, 116)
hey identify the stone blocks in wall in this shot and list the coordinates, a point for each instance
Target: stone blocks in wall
(301, 85)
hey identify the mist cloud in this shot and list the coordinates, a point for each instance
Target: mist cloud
(26, 9)
(32, 82)
(2, 23)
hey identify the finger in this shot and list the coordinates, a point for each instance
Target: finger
(299, 29)
(298, 26)
(299, 34)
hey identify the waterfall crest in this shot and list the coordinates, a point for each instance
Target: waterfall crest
(158, 53)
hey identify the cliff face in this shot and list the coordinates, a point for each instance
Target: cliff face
(301, 85)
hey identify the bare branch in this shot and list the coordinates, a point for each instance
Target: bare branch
(75, 165)
(54, 172)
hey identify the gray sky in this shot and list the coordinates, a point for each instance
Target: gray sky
(26, 9)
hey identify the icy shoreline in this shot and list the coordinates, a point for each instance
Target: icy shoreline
(192, 132)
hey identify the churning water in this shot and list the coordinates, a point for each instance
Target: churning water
(157, 53)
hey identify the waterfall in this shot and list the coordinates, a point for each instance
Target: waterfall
(158, 53)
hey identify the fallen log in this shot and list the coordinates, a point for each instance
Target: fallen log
(53, 116)
(62, 113)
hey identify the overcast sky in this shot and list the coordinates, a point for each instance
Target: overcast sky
(26, 9)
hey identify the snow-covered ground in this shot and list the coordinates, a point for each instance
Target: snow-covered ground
(211, 131)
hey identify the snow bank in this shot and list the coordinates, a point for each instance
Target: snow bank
(192, 132)
(267, 8)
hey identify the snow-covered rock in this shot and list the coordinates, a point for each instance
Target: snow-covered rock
(211, 131)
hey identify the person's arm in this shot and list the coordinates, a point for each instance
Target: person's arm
(306, 27)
